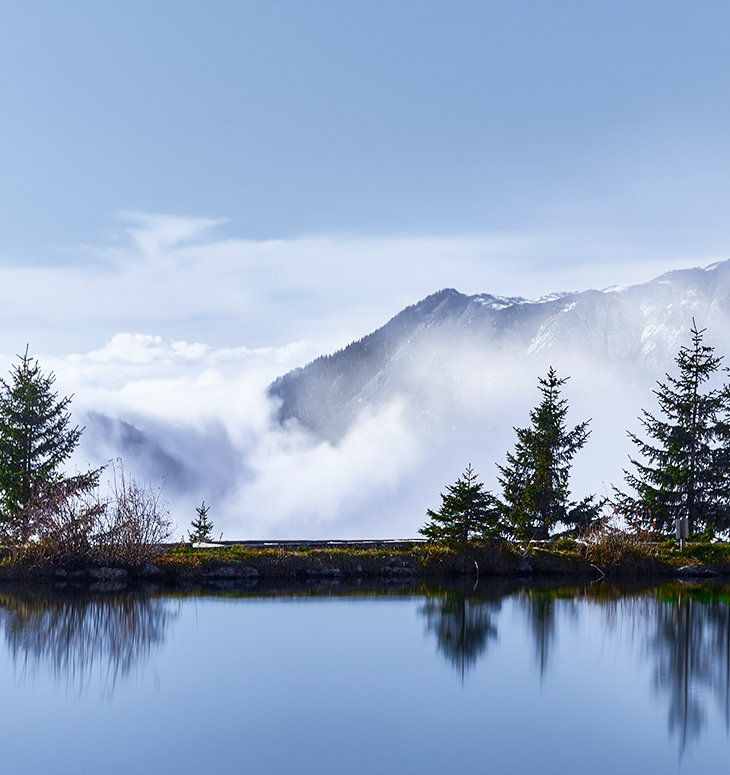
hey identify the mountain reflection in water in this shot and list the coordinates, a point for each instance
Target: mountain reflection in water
(77, 635)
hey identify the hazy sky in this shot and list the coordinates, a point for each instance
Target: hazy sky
(331, 162)
(198, 196)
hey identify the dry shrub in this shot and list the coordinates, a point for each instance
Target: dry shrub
(60, 519)
(71, 519)
(610, 546)
(135, 521)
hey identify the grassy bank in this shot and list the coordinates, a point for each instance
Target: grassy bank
(611, 556)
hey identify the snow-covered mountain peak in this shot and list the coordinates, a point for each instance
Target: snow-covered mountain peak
(497, 302)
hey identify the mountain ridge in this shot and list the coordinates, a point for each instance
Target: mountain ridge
(637, 328)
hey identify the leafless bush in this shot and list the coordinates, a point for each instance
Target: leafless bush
(60, 519)
(135, 521)
(70, 518)
(608, 545)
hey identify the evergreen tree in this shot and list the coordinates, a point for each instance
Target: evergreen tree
(467, 512)
(35, 435)
(685, 471)
(535, 479)
(202, 526)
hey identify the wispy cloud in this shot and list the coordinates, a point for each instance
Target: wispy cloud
(176, 277)
(155, 235)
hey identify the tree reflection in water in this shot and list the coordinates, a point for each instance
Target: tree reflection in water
(683, 632)
(690, 645)
(463, 625)
(464, 622)
(541, 613)
(77, 636)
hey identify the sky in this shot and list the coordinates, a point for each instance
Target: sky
(214, 193)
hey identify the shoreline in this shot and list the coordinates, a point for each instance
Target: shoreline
(241, 564)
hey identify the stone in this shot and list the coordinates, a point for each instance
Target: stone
(401, 570)
(523, 568)
(109, 575)
(148, 570)
(331, 572)
(324, 572)
(223, 572)
(696, 570)
(232, 572)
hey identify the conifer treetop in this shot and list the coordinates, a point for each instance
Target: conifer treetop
(683, 469)
(535, 478)
(467, 513)
(36, 436)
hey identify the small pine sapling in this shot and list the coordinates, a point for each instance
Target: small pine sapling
(467, 513)
(202, 526)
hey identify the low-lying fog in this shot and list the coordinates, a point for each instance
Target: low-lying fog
(201, 420)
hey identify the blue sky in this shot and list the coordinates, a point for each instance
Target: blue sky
(598, 129)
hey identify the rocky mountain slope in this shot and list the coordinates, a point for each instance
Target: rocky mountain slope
(437, 353)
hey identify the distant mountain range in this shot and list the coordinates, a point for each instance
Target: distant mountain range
(449, 338)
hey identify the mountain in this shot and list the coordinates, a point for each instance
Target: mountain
(436, 354)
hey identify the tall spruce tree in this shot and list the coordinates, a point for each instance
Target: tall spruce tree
(36, 436)
(467, 513)
(535, 478)
(685, 471)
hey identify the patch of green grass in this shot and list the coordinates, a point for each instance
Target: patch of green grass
(564, 544)
(708, 553)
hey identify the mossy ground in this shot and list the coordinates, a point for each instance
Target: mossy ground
(420, 558)
(625, 553)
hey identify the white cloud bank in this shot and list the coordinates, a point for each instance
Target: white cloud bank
(168, 403)
(202, 418)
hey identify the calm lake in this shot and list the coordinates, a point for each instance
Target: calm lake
(498, 678)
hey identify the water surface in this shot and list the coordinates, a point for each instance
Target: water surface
(500, 677)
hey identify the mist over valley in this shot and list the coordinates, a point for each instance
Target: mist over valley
(358, 443)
